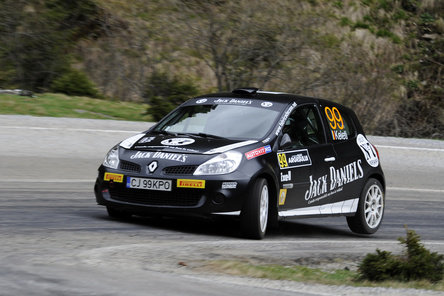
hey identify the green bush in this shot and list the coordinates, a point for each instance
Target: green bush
(74, 83)
(420, 263)
(416, 263)
(163, 93)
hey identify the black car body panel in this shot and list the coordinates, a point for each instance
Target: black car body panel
(321, 173)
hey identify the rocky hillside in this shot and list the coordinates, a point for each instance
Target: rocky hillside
(383, 58)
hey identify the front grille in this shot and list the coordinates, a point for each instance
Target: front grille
(180, 170)
(129, 166)
(177, 198)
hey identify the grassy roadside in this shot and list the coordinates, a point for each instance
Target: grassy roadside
(305, 274)
(60, 105)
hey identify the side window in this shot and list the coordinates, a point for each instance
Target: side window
(339, 123)
(304, 127)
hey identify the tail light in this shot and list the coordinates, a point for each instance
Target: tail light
(377, 152)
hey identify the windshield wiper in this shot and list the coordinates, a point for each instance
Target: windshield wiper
(163, 133)
(204, 135)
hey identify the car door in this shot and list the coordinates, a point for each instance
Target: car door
(304, 157)
(346, 174)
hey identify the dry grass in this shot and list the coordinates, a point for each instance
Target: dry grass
(308, 275)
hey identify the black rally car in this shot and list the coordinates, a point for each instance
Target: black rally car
(263, 156)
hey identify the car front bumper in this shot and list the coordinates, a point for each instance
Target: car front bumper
(222, 194)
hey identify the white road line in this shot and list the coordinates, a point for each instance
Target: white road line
(101, 250)
(410, 148)
(71, 129)
(296, 241)
(416, 189)
(136, 132)
(48, 180)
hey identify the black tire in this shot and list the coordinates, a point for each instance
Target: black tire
(370, 211)
(117, 213)
(254, 215)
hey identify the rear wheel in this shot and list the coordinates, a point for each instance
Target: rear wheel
(370, 211)
(117, 213)
(254, 216)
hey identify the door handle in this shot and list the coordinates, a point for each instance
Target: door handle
(330, 159)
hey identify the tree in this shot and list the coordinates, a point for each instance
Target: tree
(246, 44)
(36, 38)
(163, 93)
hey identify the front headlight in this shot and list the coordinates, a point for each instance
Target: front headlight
(112, 158)
(224, 163)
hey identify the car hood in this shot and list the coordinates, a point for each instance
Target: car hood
(182, 143)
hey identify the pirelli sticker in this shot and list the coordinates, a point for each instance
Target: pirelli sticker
(113, 177)
(190, 183)
(294, 159)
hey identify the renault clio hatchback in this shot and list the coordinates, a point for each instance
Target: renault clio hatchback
(261, 156)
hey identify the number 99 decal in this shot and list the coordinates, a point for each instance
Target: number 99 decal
(334, 118)
(336, 123)
(282, 160)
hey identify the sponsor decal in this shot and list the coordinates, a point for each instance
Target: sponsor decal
(339, 135)
(284, 118)
(369, 151)
(128, 143)
(152, 166)
(319, 188)
(258, 152)
(201, 101)
(229, 185)
(159, 155)
(139, 155)
(282, 196)
(233, 101)
(182, 149)
(294, 159)
(336, 123)
(341, 207)
(170, 156)
(113, 177)
(169, 147)
(266, 140)
(266, 104)
(146, 140)
(190, 183)
(177, 142)
(286, 177)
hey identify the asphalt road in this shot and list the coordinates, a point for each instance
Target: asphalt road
(56, 241)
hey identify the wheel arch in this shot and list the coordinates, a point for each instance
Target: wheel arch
(272, 183)
(380, 178)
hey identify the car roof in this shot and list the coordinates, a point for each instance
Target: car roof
(276, 97)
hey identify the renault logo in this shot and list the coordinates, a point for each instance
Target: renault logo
(152, 166)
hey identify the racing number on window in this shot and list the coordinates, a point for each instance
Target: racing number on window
(282, 160)
(334, 118)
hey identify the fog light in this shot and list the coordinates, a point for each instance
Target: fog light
(218, 199)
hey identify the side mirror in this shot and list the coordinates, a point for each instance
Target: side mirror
(285, 141)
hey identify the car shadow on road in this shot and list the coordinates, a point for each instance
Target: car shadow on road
(229, 227)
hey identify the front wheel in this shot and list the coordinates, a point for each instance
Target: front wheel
(370, 211)
(254, 216)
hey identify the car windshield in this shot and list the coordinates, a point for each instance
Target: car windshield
(227, 121)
